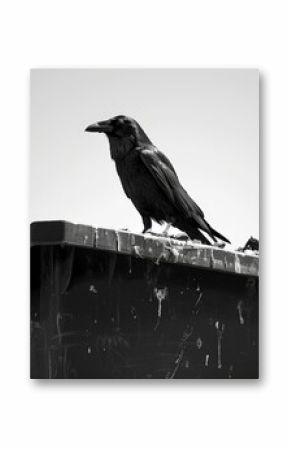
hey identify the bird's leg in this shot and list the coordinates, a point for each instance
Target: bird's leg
(147, 224)
(166, 229)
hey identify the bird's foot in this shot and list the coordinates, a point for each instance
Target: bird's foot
(165, 231)
(152, 233)
(155, 234)
(181, 236)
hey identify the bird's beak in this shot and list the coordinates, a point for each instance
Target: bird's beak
(100, 127)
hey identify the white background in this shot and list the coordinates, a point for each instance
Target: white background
(145, 414)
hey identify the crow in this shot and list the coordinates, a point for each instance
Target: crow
(150, 180)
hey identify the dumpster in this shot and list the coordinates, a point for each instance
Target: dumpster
(108, 304)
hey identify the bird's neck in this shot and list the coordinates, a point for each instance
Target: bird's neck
(119, 148)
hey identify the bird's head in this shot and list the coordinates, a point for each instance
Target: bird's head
(124, 133)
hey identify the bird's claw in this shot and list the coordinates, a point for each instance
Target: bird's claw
(153, 233)
(180, 236)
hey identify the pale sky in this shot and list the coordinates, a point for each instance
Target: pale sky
(205, 121)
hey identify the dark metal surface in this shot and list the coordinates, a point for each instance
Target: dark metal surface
(103, 314)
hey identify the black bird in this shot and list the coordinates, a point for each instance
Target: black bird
(150, 181)
(252, 244)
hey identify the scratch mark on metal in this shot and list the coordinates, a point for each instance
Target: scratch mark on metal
(220, 330)
(237, 264)
(185, 336)
(93, 289)
(133, 313)
(240, 308)
(198, 343)
(138, 251)
(206, 360)
(160, 294)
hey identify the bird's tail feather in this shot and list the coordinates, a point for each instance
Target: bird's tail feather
(200, 236)
(195, 234)
(217, 234)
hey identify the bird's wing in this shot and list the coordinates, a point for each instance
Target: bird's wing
(164, 174)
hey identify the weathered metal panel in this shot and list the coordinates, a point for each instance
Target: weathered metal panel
(157, 248)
